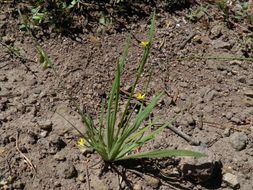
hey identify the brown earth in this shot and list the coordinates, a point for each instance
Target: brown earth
(212, 98)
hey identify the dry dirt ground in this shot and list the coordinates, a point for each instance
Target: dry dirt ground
(212, 98)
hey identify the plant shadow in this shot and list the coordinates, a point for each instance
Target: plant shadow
(170, 173)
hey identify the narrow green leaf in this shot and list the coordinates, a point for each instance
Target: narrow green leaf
(129, 131)
(114, 97)
(164, 153)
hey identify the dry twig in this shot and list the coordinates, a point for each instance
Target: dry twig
(22, 154)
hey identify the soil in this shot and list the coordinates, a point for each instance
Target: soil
(212, 99)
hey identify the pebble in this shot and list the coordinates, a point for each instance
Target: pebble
(226, 132)
(177, 110)
(18, 185)
(235, 120)
(231, 180)
(55, 144)
(59, 157)
(45, 125)
(219, 44)
(43, 134)
(248, 92)
(229, 115)
(242, 79)
(3, 78)
(183, 84)
(248, 102)
(137, 187)
(216, 30)
(208, 108)
(153, 182)
(210, 96)
(82, 177)
(238, 141)
(37, 91)
(190, 120)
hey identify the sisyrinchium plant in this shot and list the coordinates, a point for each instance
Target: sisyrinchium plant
(118, 137)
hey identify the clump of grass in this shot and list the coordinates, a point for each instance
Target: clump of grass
(49, 13)
(117, 137)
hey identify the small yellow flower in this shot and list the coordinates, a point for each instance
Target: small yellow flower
(140, 96)
(81, 142)
(144, 44)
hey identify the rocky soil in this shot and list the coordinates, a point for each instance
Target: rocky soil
(197, 64)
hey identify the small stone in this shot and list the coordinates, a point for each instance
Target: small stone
(43, 134)
(236, 120)
(242, 79)
(190, 120)
(183, 84)
(153, 182)
(231, 180)
(67, 170)
(208, 108)
(137, 187)
(183, 96)
(59, 157)
(3, 78)
(219, 44)
(57, 184)
(248, 102)
(177, 110)
(229, 115)
(55, 144)
(45, 125)
(216, 30)
(82, 177)
(18, 185)
(37, 91)
(226, 132)
(248, 92)
(210, 96)
(238, 141)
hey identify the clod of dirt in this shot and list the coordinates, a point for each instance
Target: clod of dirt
(82, 177)
(248, 92)
(55, 144)
(216, 31)
(219, 44)
(137, 187)
(231, 180)
(98, 184)
(151, 181)
(66, 170)
(238, 141)
(60, 156)
(18, 185)
(45, 125)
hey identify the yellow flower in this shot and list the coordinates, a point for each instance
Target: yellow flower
(144, 44)
(140, 96)
(81, 142)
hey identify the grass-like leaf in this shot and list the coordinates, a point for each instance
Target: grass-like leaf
(163, 153)
(117, 138)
